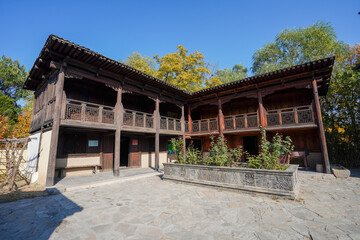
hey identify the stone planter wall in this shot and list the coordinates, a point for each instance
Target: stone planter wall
(277, 183)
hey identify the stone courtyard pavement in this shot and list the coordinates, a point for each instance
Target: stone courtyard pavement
(154, 209)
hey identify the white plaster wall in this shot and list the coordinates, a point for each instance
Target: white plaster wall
(77, 161)
(29, 169)
(44, 152)
(163, 158)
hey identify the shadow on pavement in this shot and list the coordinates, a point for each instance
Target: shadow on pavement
(35, 218)
(355, 172)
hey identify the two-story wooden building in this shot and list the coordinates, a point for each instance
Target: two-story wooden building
(94, 112)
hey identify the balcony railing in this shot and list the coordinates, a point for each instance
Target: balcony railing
(88, 112)
(241, 121)
(138, 119)
(168, 123)
(205, 125)
(290, 116)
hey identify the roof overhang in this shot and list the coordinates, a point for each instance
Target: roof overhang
(56, 51)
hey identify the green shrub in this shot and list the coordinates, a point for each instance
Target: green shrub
(270, 152)
(193, 155)
(219, 154)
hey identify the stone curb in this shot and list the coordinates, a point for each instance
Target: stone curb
(62, 189)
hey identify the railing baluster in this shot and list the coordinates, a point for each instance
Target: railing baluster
(245, 118)
(83, 106)
(280, 119)
(296, 115)
(100, 114)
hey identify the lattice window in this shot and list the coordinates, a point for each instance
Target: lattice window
(73, 111)
(252, 121)
(229, 123)
(149, 121)
(171, 124)
(139, 120)
(273, 119)
(91, 114)
(239, 122)
(288, 118)
(204, 126)
(163, 123)
(305, 116)
(128, 118)
(213, 125)
(108, 116)
(196, 127)
(178, 125)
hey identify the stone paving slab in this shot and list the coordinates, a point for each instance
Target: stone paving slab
(101, 179)
(150, 208)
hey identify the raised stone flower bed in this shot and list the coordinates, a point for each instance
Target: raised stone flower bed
(276, 183)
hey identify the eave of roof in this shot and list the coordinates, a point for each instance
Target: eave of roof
(66, 47)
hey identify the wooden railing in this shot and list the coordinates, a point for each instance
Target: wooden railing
(88, 112)
(241, 121)
(168, 123)
(290, 116)
(138, 119)
(205, 125)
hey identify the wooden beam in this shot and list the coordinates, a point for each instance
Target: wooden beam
(59, 86)
(189, 119)
(157, 133)
(119, 116)
(220, 118)
(321, 128)
(262, 112)
(183, 128)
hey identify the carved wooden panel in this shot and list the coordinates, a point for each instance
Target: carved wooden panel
(288, 118)
(108, 116)
(213, 125)
(73, 111)
(91, 114)
(239, 122)
(128, 118)
(305, 116)
(163, 123)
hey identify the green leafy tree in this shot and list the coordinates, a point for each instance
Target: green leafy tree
(230, 75)
(293, 47)
(12, 78)
(143, 63)
(341, 110)
(187, 71)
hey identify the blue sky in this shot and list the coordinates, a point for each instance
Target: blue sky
(226, 32)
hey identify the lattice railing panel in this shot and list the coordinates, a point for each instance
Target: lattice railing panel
(239, 122)
(163, 123)
(287, 118)
(91, 114)
(305, 116)
(229, 123)
(108, 116)
(73, 111)
(128, 118)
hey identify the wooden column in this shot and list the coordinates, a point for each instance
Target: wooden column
(220, 118)
(55, 127)
(189, 119)
(119, 115)
(262, 113)
(321, 127)
(183, 128)
(157, 133)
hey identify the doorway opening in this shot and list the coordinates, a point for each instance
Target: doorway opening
(251, 145)
(124, 151)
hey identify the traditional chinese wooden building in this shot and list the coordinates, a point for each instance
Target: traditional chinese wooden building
(93, 112)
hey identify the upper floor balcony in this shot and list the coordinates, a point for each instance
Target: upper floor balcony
(77, 112)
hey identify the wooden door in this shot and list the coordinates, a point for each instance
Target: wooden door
(108, 153)
(134, 155)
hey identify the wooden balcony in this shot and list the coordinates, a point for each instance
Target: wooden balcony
(89, 114)
(204, 126)
(291, 117)
(240, 122)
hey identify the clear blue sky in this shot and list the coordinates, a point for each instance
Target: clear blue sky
(226, 32)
